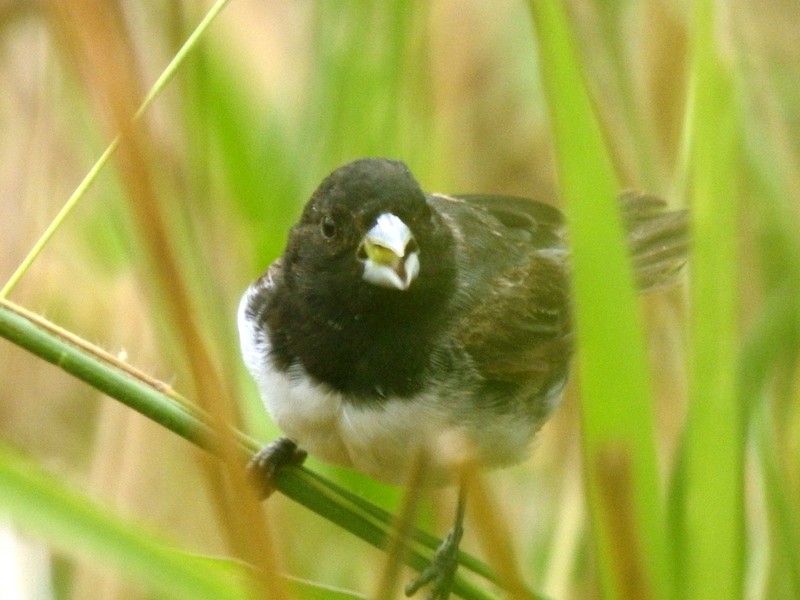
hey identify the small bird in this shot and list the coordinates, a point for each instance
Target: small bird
(395, 316)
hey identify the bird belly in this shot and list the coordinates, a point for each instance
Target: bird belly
(380, 441)
(384, 439)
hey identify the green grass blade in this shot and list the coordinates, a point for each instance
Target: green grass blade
(627, 514)
(41, 506)
(309, 590)
(713, 527)
(301, 589)
(773, 346)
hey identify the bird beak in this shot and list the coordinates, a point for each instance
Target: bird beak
(389, 253)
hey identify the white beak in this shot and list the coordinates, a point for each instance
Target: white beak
(390, 258)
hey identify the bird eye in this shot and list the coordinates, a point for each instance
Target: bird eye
(328, 226)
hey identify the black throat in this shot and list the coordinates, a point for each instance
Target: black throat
(377, 344)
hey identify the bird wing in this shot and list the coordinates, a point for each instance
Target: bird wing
(517, 326)
(520, 331)
(543, 222)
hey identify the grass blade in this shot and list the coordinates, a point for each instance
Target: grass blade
(72, 523)
(713, 520)
(619, 453)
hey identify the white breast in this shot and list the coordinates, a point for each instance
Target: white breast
(380, 441)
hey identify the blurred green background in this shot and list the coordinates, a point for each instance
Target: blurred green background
(276, 95)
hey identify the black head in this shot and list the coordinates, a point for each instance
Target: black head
(367, 239)
(367, 275)
(365, 186)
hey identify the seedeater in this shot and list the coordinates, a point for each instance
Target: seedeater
(395, 315)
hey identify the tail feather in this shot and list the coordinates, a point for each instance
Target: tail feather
(658, 239)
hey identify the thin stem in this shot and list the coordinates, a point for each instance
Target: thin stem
(98, 166)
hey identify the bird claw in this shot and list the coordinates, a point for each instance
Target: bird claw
(442, 569)
(265, 464)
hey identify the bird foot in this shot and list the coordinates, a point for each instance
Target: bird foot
(265, 464)
(442, 570)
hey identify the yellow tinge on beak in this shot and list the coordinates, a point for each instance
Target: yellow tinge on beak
(389, 253)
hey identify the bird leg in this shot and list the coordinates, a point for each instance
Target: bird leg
(444, 564)
(265, 464)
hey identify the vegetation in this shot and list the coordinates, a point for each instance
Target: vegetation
(672, 469)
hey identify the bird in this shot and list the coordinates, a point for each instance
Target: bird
(395, 316)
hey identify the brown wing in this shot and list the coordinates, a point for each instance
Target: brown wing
(517, 329)
(520, 332)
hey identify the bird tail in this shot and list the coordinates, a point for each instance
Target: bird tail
(658, 239)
